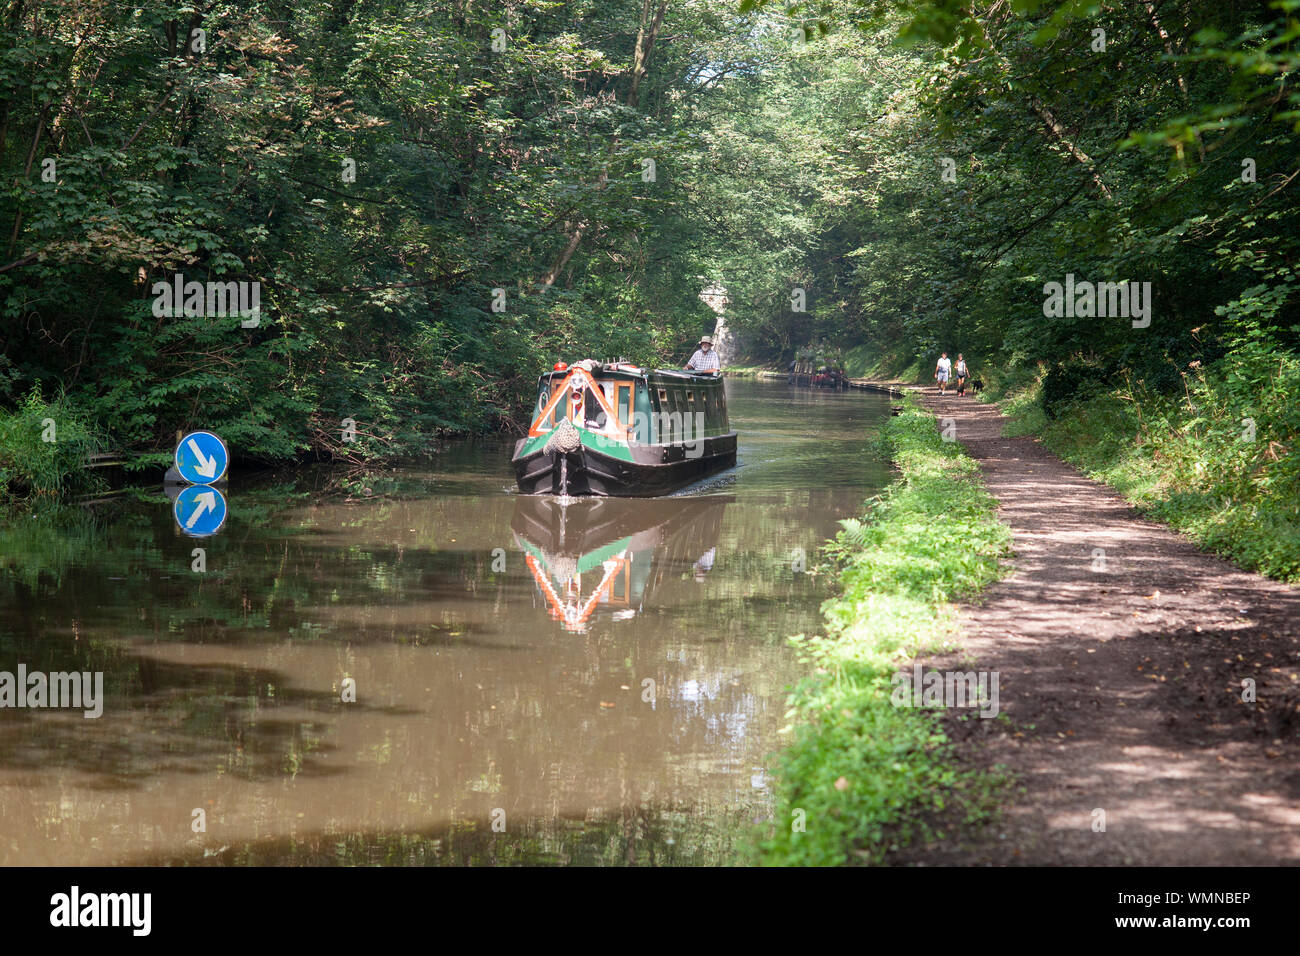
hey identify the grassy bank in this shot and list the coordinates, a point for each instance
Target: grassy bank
(867, 361)
(860, 773)
(1215, 459)
(863, 361)
(43, 449)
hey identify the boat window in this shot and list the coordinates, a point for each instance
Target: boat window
(663, 397)
(592, 414)
(544, 423)
(690, 397)
(624, 406)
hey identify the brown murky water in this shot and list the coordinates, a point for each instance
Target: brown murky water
(601, 683)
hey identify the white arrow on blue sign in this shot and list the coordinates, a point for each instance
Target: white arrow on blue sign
(201, 458)
(200, 510)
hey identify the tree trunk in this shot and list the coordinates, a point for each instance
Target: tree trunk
(647, 33)
(1058, 132)
(1054, 127)
(1169, 45)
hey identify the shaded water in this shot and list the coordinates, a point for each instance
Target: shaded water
(604, 681)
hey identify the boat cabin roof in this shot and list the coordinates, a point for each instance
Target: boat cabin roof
(629, 371)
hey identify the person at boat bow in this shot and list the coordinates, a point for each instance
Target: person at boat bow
(704, 359)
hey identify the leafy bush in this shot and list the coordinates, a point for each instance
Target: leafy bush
(1075, 381)
(43, 448)
(8, 378)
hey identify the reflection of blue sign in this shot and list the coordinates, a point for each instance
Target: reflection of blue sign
(201, 458)
(200, 510)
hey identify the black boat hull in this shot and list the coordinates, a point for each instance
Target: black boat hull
(654, 469)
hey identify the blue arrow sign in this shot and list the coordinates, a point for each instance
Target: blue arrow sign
(201, 458)
(200, 510)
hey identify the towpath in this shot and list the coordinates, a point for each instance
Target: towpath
(1121, 651)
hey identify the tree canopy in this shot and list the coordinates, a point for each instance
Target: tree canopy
(439, 199)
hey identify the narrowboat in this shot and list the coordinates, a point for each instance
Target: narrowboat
(823, 376)
(608, 558)
(614, 429)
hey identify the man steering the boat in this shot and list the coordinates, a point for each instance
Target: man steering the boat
(704, 359)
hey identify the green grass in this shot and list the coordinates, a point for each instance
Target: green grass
(1217, 462)
(863, 361)
(43, 449)
(866, 361)
(932, 538)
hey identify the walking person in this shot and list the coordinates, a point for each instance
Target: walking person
(962, 373)
(942, 370)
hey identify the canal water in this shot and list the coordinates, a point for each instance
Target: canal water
(599, 683)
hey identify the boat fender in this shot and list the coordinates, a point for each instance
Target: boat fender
(564, 439)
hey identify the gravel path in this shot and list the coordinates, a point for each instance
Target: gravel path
(1121, 671)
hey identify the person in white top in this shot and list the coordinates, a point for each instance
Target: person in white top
(704, 359)
(942, 369)
(961, 373)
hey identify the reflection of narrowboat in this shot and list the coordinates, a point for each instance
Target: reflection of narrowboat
(604, 557)
(615, 429)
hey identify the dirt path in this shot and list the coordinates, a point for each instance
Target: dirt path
(1123, 686)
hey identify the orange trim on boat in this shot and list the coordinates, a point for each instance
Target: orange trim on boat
(581, 379)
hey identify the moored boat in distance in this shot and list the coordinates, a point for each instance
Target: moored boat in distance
(616, 429)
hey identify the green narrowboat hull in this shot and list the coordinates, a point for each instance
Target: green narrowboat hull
(615, 430)
(620, 470)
